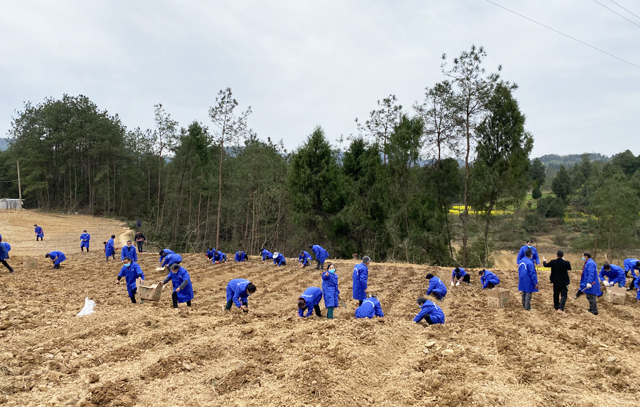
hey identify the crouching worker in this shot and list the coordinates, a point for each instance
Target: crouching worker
(369, 308)
(219, 257)
(279, 260)
(56, 257)
(131, 272)
(304, 259)
(488, 279)
(458, 275)
(238, 291)
(182, 288)
(241, 256)
(430, 312)
(330, 289)
(266, 255)
(436, 287)
(171, 259)
(310, 300)
(614, 273)
(210, 252)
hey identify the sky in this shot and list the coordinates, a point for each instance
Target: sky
(300, 64)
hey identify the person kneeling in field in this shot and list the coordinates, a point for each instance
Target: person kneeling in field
(131, 272)
(238, 291)
(488, 279)
(304, 259)
(266, 254)
(614, 273)
(459, 275)
(310, 300)
(279, 260)
(219, 257)
(56, 257)
(436, 287)
(182, 288)
(430, 312)
(630, 265)
(241, 256)
(369, 308)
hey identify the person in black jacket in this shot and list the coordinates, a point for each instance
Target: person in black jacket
(559, 278)
(140, 241)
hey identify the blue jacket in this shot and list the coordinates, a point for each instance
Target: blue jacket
(4, 250)
(435, 284)
(84, 240)
(312, 297)
(237, 291)
(534, 256)
(527, 276)
(632, 265)
(487, 278)
(435, 313)
(131, 274)
(219, 256)
(129, 252)
(279, 260)
(615, 275)
(462, 273)
(304, 258)
(369, 308)
(171, 259)
(39, 231)
(590, 275)
(330, 289)
(266, 254)
(166, 253)
(57, 257)
(185, 294)
(241, 256)
(321, 254)
(360, 281)
(109, 250)
(210, 253)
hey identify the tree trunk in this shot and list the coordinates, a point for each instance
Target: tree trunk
(159, 189)
(219, 192)
(148, 188)
(595, 249)
(199, 206)
(486, 232)
(206, 222)
(465, 214)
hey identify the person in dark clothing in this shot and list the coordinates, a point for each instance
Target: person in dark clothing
(559, 278)
(140, 241)
(138, 223)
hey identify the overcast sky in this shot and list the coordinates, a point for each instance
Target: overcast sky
(299, 64)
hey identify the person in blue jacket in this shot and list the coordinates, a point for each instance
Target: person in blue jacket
(279, 260)
(210, 253)
(84, 241)
(437, 288)
(39, 233)
(238, 291)
(304, 259)
(131, 272)
(614, 273)
(129, 251)
(164, 253)
(4, 254)
(171, 259)
(219, 257)
(459, 275)
(589, 283)
(630, 265)
(369, 308)
(523, 250)
(310, 300)
(361, 280)
(488, 279)
(330, 289)
(527, 279)
(430, 312)
(56, 257)
(241, 256)
(182, 287)
(636, 282)
(321, 255)
(266, 254)
(109, 248)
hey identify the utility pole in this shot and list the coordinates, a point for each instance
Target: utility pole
(19, 186)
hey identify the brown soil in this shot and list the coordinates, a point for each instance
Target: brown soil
(153, 355)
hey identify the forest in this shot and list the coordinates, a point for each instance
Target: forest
(445, 181)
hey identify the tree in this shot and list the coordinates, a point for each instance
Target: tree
(439, 116)
(561, 184)
(164, 134)
(538, 173)
(227, 130)
(382, 122)
(536, 193)
(472, 91)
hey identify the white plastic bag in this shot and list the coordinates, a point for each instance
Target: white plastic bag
(88, 307)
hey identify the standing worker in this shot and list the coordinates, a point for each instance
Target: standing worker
(131, 272)
(129, 251)
(361, 280)
(309, 300)
(4, 254)
(527, 279)
(559, 277)
(84, 241)
(369, 308)
(140, 241)
(330, 290)
(109, 249)
(321, 255)
(630, 265)
(241, 256)
(304, 259)
(279, 260)
(523, 250)
(182, 288)
(39, 233)
(589, 283)
(459, 275)
(56, 257)
(436, 287)
(238, 292)
(430, 312)
(614, 273)
(488, 279)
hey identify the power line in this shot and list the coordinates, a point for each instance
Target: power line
(613, 11)
(628, 11)
(566, 35)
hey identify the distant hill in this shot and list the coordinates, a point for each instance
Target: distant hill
(4, 144)
(569, 160)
